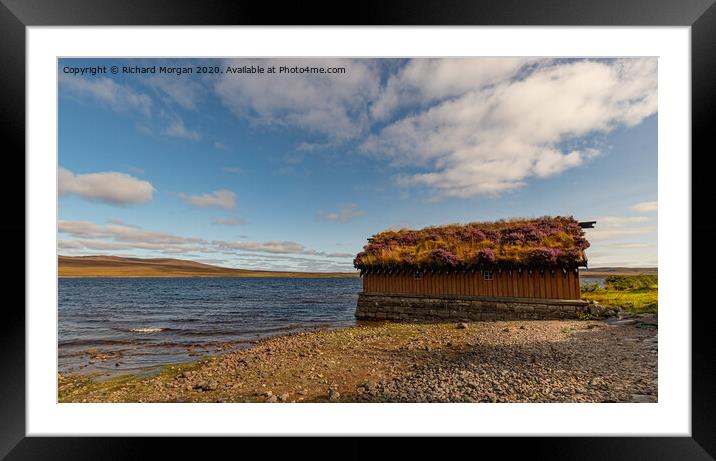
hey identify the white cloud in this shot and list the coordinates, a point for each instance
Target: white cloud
(120, 233)
(608, 234)
(101, 245)
(117, 97)
(646, 207)
(622, 241)
(629, 245)
(313, 146)
(219, 199)
(108, 187)
(180, 90)
(422, 81)
(333, 105)
(619, 221)
(491, 140)
(462, 127)
(345, 214)
(229, 221)
(176, 128)
(90, 238)
(118, 236)
(275, 247)
(124, 98)
(615, 228)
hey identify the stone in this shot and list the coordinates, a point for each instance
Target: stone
(271, 399)
(333, 395)
(461, 326)
(205, 386)
(283, 397)
(622, 322)
(464, 309)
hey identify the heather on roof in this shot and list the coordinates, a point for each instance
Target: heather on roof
(549, 241)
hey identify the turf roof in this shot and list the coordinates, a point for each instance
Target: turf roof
(549, 241)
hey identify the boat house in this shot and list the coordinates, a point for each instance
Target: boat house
(508, 269)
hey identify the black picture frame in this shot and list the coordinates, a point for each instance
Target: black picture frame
(700, 15)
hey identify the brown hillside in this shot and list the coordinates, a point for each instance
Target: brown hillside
(117, 266)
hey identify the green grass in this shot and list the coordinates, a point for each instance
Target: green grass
(633, 293)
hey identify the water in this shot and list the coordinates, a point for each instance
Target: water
(601, 281)
(130, 324)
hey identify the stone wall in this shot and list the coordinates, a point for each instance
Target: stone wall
(463, 308)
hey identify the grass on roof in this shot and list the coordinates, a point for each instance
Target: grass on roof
(541, 242)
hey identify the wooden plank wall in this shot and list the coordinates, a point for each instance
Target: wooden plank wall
(557, 285)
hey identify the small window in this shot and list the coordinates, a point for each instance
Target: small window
(487, 275)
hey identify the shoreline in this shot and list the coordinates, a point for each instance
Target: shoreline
(503, 361)
(303, 276)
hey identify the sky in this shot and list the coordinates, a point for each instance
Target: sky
(294, 169)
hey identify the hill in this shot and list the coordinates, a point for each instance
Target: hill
(607, 271)
(117, 266)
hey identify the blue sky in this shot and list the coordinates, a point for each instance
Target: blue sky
(295, 170)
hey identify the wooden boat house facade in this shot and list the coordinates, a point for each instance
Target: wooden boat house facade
(512, 269)
(516, 283)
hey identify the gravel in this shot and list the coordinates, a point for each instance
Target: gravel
(581, 363)
(506, 361)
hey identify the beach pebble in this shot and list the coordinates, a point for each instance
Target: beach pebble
(536, 365)
(205, 386)
(623, 322)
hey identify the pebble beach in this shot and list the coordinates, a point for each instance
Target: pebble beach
(503, 361)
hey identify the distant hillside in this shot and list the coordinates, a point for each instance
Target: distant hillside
(607, 271)
(117, 266)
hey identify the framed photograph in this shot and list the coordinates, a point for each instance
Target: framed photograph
(421, 222)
